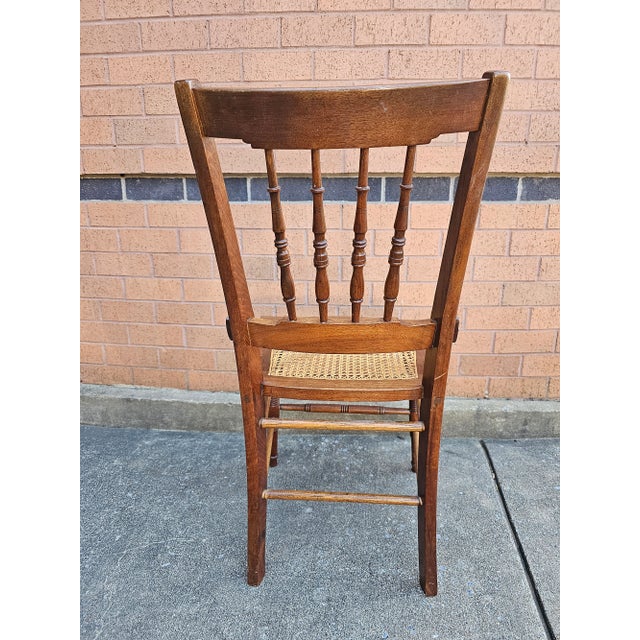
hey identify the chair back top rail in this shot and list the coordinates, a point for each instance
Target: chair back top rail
(341, 118)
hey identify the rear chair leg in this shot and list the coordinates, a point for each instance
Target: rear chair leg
(256, 456)
(427, 477)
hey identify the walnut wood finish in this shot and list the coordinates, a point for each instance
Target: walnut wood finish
(274, 412)
(341, 118)
(339, 496)
(340, 425)
(341, 336)
(360, 118)
(342, 390)
(320, 255)
(362, 409)
(414, 413)
(473, 173)
(359, 257)
(236, 293)
(282, 251)
(396, 255)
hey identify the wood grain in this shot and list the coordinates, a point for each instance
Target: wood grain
(341, 118)
(320, 255)
(283, 258)
(363, 409)
(339, 496)
(359, 256)
(338, 335)
(342, 390)
(340, 425)
(396, 255)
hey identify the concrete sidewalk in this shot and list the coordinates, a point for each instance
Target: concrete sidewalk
(163, 540)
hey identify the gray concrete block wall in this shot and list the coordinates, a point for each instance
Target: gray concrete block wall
(156, 408)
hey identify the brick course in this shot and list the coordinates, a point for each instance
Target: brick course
(156, 282)
(152, 307)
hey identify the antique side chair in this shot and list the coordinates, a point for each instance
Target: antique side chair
(328, 361)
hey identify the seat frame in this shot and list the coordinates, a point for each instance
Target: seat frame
(316, 119)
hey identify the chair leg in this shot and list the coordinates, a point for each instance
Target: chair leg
(427, 477)
(274, 412)
(415, 435)
(255, 439)
(256, 510)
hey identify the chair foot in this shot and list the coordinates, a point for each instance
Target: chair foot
(428, 571)
(256, 550)
(255, 579)
(430, 588)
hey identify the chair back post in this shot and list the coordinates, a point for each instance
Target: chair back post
(218, 212)
(473, 173)
(238, 301)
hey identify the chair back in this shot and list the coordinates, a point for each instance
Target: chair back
(364, 118)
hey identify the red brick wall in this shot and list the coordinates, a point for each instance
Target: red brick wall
(152, 308)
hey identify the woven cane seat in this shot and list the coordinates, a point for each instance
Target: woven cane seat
(344, 366)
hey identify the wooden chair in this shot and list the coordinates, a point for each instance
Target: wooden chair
(328, 361)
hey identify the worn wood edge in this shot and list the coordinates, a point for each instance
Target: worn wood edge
(375, 87)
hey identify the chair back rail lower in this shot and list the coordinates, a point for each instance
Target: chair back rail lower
(308, 335)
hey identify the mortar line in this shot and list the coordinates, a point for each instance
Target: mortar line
(523, 558)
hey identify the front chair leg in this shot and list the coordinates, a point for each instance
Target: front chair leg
(414, 412)
(274, 412)
(415, 445)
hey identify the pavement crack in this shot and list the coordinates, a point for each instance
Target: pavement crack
(520, 549)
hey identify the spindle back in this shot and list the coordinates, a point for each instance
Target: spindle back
(316, 119)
